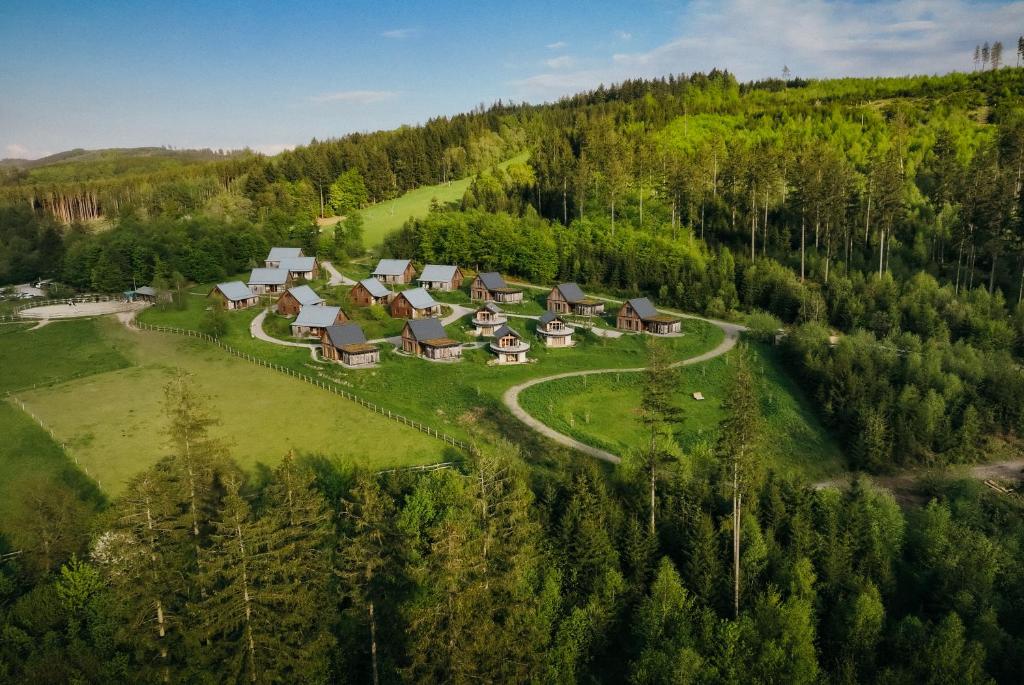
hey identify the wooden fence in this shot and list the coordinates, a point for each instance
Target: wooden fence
(329, 387)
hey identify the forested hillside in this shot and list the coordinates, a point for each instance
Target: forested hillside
(874, 226)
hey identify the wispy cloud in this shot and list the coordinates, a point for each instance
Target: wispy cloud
(557, 45)
(19, 151)
(561, 62)
(398, 34)
(815, 38)
(623, 35)
(271, 149)
(356, 97)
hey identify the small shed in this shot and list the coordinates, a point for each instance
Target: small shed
(427, 338)
(393, 271)
(295, 299)
(490, 286)
(234, 295)
(312, 320)
(370, 291)
(554, 331)
(265, 280)
(346, 343)
(414, 304)
(441, 277)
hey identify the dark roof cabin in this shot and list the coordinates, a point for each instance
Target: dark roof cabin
(346, 343)
(568, 298)
(490, 286)
(487, 318)
(639, 315)
(427, 338)
(414, 304)
(509, 346)
(295, 299)
(370, 291)
(554, 331)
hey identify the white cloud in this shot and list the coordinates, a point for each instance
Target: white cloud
(815, 38)
(557, 45)
(561, 62)
(356, 97)
(623, 35)
(271, 149)
(19, 151)
(398, 34)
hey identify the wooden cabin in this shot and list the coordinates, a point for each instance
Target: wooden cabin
(312, 320)
(414, 304)
(268, 281)
(640, 316)
(300, 268)
(509, 346)
(568, 298)
(370, 291)
(234, 295)
(554, 331)
(488, 318)
(346, 343)
(491, 287)
(441, 277)
(295, 299)
(427, 338)
(277, 254)
(393, 271)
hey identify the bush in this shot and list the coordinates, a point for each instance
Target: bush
(214, 322)
(762, 326)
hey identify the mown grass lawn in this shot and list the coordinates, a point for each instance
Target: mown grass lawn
(113, 422)
(384, 217)
(601, 410)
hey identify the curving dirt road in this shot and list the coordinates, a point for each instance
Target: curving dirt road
(511, 396)
(337, 278)
(256, 330)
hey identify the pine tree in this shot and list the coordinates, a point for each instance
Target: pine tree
(739, 434)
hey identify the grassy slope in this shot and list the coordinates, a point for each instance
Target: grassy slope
(111, 421)
(384, 217)
(447, 396)
(601, 411)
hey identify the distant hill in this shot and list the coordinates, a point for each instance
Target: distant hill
(83, 165)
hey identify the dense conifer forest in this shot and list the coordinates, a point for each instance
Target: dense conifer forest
(877, 223)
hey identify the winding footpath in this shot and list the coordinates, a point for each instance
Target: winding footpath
(337, 278)
(256, 330)
(511, 396)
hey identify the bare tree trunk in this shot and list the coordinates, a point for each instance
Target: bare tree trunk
(992, 273)
(753, 225)
(881, 250)
(737, 500)
(565, 201)
(959, 259)
(803, 241)
(373, 645)
(1020, 292)
(867, 216)
(652, 497)
(764, 243)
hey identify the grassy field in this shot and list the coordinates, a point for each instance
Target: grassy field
(602, 411)
(384, 217)
(112, 422)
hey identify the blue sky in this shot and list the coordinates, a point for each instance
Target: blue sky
(270, 75)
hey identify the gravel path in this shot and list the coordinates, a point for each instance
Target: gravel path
(337, 278)
(511, 396)
(256, 330)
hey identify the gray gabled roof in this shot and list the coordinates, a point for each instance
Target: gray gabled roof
(426, 329)
(345, 334)
(571, 292)
(492, 307)
(391, 267)
(268, 277)
(438, 273)
(146, 290)
(375, 287)
(298, 264)
(317, 316)
(492, 280)
(548, 317)
(505, 330)
(419, 298)
(235, 291)
(279, 253)
(643, 308)
(305, 295)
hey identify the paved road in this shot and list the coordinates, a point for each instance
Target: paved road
(337, 278)
(511, 396)
(256, 330)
